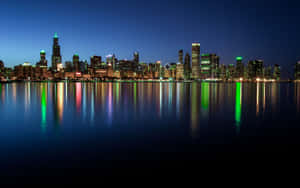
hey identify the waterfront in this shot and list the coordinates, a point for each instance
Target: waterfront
(62, 125)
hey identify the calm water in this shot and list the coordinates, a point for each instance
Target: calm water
(110, 125)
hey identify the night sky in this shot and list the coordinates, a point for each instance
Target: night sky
(267, 30)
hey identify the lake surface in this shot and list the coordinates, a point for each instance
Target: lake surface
(52, 127)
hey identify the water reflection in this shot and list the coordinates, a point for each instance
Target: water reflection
(194, 110)
(238, 105)
(194, 105)
(44, 107)
(297, 95)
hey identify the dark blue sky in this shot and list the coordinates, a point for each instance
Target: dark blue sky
(267, 30)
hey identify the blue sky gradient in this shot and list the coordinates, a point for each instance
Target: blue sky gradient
(267, 30)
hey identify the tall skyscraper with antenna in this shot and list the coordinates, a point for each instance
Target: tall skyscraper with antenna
(56, 56)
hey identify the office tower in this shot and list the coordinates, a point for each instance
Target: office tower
(195, 61)
(43, 62)
(136, 57)
(68, 66)
(215, 63)
(251, 70)
(76, 65)
(276, 72)
(96, 61)
(230, 72)
(187, 66)
(56, 56)
(255, 69)
(180, 56)
(1, 66)
(136, 61)
(239, 73)
(222, 75)
(179, 71)
(268, 73)
(209, 66)
(259, 68)
(109, 59)
(297, 71)
(83, 66)
(205, 66)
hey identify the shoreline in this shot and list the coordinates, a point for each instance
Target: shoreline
(148, 81)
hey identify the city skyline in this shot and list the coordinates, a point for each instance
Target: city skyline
(239, 34)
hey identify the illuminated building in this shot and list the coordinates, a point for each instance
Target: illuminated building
(43, 62)
(222, 74)
(187, 66)
(83, 66)
(268, 73)
(179, 71)
(276, 72)
(96, 61)
(180, 56)
(259, 68)
(195, 61)
(255, 69)
(109, 59)
(205, 66)
(24, 71)
(239, 72)
(76, 65)
(68, 66)
(1, 65)
(297, 71)
(56, 56)
(136, 57)
(209, 66)
(230, 72)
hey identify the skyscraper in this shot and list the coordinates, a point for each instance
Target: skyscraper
(1, 66)
(239, 73)
(255, 69)
(136, 57)
(180, 56)
(76, 64)
(259, 68)
(206, 66)
(209, 65)
(276, 72)
(187, 66)
(43, 62)
(195, 61)
(96, 61)
(56, 56)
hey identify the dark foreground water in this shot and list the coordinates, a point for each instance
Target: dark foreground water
(81, 128)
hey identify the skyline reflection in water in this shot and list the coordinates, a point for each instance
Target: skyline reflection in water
(193, 105)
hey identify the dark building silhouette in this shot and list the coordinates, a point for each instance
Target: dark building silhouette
(180, 56)
(1, 66)
(187, 66)
(276, 72)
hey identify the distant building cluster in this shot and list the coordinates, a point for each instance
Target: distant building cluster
(189, 67)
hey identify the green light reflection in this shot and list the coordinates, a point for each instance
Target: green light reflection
(205, 95)
(238, 104)
(44, 108)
